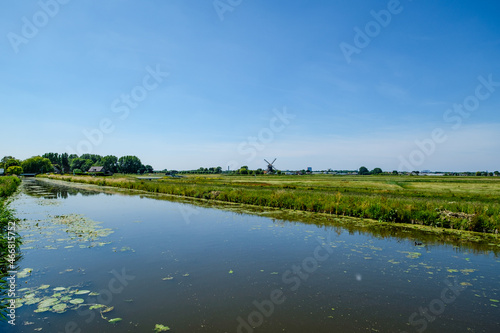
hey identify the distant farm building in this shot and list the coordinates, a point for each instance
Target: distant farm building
(97, 169)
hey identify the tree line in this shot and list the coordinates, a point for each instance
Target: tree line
(72, 163)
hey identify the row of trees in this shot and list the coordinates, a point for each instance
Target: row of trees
(364, 171)
(36, 164)
(64, 163)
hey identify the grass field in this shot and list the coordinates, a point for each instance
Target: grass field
(464, 203)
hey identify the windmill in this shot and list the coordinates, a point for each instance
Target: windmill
(270, 166)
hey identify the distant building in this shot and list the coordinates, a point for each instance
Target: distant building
(95, 169)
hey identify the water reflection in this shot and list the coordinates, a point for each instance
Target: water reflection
(46, 190)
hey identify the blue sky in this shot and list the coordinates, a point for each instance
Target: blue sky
(249, 80)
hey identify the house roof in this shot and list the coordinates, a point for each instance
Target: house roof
(96, 169)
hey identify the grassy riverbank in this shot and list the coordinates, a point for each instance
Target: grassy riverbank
(463, 203)
(8, 186)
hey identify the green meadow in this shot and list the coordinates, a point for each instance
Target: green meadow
(462, 203)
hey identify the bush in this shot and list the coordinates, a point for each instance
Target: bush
(14, 170)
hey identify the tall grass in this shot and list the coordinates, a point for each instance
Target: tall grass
(432, 207)
(8, 186)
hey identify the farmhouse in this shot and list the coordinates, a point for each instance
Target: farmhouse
(97, 169)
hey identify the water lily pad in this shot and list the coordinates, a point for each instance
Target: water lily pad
(77, 301)
(59, 289)
(24, 273)
(115, 320)
(82, 292)
(231, 271)
(94, 294)
(59, 308)
(97, 306)
(494, 300)
(39, 310)
(167, 278)
(48, 302)
(32, 301)
(44, 286)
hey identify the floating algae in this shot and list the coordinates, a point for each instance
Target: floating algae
(115, 320)
(65, 230)
(161, 328)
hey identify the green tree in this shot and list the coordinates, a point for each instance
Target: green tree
(243, 170)
(363, 171)
(496, 173)
(14, 170)
(65, 163)
(54, 158)
(87, 164)
(6, 158)
(376, 171)
(110, 163)
(77, 163)
(149, 168)
(129, 164)
(11, 162)
(94, 158)
(37, 164)
(395, 172)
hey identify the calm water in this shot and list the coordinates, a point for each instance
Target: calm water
(197, 269)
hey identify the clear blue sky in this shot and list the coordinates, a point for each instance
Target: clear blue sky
(352, 99)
